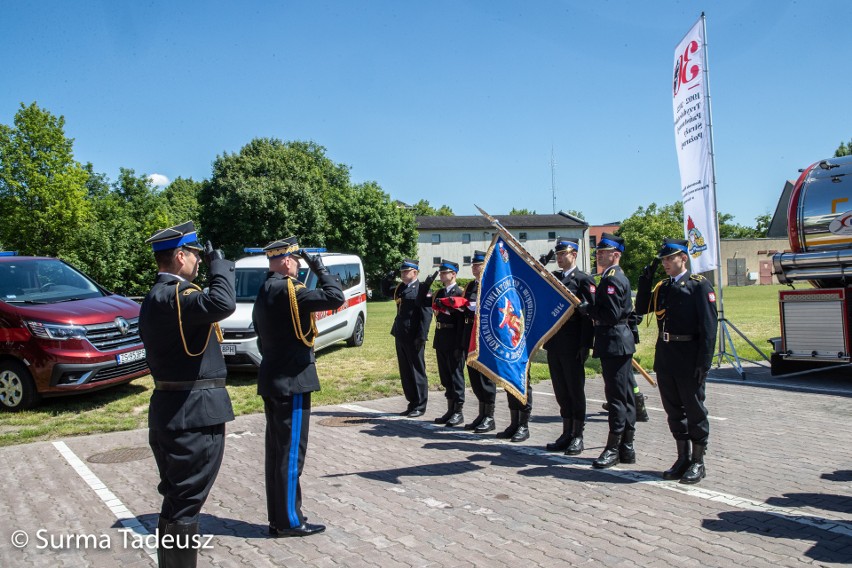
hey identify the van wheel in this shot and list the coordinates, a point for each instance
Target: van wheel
(357, 338)
(17, 390)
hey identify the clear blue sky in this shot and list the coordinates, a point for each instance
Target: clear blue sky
(458, 102)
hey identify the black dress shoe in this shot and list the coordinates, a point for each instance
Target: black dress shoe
(406, 412)
(305, 529)
(415, 413)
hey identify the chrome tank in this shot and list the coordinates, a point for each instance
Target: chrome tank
(819, 221)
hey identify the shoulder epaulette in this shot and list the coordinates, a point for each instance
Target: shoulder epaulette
(696, 277)
(609, 272)
(188, 291)
(298, 285)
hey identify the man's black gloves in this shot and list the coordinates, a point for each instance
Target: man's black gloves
(650, 269)
(430, 279)
(545, 258)
(583, 308)
(419, 344)
(211, 254)
(314, 262)
(701, 375)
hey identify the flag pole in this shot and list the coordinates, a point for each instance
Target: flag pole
(724, 335)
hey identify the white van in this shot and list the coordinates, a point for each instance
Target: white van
(345, 323)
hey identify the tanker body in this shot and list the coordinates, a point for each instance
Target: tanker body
(815, 322)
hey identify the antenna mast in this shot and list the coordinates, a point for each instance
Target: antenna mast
(553, 178)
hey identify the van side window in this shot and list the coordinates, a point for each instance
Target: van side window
(348, 274)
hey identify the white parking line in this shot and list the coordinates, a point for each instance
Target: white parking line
(127, 519)
(786, 513)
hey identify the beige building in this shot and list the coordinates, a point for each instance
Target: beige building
(748, 262)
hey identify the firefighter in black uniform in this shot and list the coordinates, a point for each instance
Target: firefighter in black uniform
(411, 330)
(283, 318)
(189, 406)
(568, 350)
(685, 307)
(447, 303)
(614, 345)
(484, 389)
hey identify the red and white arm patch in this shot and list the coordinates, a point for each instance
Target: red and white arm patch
(610, 290)
(712, 297)
(592, 289)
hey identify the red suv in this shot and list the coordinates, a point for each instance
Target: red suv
(62, 333)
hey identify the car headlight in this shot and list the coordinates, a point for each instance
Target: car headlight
(56, 331)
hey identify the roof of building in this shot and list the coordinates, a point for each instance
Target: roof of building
(450, 222)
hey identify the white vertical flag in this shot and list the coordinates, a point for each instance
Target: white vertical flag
(693, 141)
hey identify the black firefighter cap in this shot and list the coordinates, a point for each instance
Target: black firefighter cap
(448, 266)
(182, 235)
(283, 247)
(566, 244)
(478, 257)
(673, 246)
(409, 264)
(609, 241)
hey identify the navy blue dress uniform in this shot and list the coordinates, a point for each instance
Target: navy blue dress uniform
(483, 387)
(410, 330)
(286, 331)
(567, 351)
(615, 345)
(448, 304)
(685, 308)
(190, 405)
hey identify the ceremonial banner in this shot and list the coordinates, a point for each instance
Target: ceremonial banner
(693, 141)
(520, 305)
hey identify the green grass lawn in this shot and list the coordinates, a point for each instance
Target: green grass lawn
(347, 374)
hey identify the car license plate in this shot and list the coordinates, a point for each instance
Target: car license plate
(130, 356)
(229, 349)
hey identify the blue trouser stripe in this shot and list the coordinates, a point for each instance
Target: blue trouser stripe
(293, 460)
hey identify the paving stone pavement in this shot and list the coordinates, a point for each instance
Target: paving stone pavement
(404, 492)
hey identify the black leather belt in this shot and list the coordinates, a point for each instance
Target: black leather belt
(440, 325)
(468, 320)
(667, 337)
(201, 384)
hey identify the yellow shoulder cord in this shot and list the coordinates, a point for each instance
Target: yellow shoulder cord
(294, 315)
(660, 313)
(180, 325)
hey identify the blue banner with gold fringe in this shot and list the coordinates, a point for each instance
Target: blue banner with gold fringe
(520, 306)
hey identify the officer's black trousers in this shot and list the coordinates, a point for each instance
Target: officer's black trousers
(188, 461)
(451, 371)
(683, 400)
(484, 389)
(287, 423)
(412, 373)
(567, 373)
(618, 388)
(515, 404)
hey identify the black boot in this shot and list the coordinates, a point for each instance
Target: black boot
(487, 423)
(451, 408)
(180, 549)
(609, 457)
(696, 471)
(513, 425)
(641, 411)
(479, 418)
(677, 470)
(564, 439)
(626, 452)
(457, 417)
(575, 446)
(523, 431)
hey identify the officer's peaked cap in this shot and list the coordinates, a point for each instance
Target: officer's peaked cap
(478, 257)
(673, 246)
(566, 244)
(409, 264)
(448, 266)
(182, 235)
(283, 247)
(608, 241)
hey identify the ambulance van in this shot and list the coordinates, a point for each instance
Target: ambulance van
(343, 324)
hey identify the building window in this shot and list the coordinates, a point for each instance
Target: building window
(436, 261)
(467, 260)
(551, 235)
(436, 238)
(465, 238)
(522, 237)
(593, 242)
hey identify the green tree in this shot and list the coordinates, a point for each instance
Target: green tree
(270, 190)
(367, 222)
(521, 212)
(577, 214)
(643, 232)
(42, 188)
(761, 225)
(182, 198)
(843, 150)
(422, 208)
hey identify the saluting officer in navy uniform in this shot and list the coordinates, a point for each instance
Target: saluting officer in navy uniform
(190, 405)
(685, 307)
(411, 330)
(283, 318)
(447, 303)
(614, 345)
(567, 351)
(484, 389)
